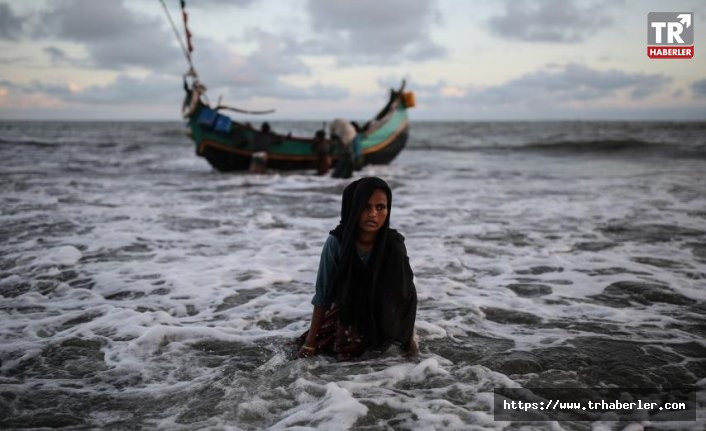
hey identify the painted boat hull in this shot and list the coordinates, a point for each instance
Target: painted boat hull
(232, 150)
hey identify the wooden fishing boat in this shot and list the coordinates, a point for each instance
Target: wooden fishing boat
(229, 145)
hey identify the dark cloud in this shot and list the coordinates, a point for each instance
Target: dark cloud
(58, 57)
(220, 65)
(259, 73)
(123, 90)
(114, 36)
(570, 82)
(210, 4)
(558, 21)
(551, 87)
(34, 88)
(86, 20)
(126, 89)
(15, 60)
(698, 88)
(240, 77)
(275, 55)
(10, 24)
(373, 30)
(7, 85)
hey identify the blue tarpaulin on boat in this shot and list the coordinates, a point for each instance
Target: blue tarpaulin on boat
(207, 117)
(222, 124)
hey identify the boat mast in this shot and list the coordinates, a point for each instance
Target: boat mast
(184, 50)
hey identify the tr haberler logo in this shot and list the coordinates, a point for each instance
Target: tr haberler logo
(670, 34)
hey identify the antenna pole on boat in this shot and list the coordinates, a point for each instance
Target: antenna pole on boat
(176, 33)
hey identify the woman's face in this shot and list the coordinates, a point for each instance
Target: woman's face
(374, 214)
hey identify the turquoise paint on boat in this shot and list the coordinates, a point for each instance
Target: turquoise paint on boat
(233, 150)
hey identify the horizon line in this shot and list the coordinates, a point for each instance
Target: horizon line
(420, 120)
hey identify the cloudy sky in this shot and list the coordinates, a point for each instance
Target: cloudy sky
(309, 59)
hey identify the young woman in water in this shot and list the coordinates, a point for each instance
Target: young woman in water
(365, 295)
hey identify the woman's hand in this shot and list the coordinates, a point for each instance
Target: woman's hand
(306, 351)
(309, 346)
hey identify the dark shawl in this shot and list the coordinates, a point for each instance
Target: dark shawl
(379, 299)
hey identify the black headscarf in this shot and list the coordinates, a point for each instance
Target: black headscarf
(379, 299)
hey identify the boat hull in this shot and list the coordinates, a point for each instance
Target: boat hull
(225, 158)
(232, 148)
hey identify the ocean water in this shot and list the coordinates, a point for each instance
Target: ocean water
(141, 289)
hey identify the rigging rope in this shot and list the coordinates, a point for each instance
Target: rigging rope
(176, 33)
